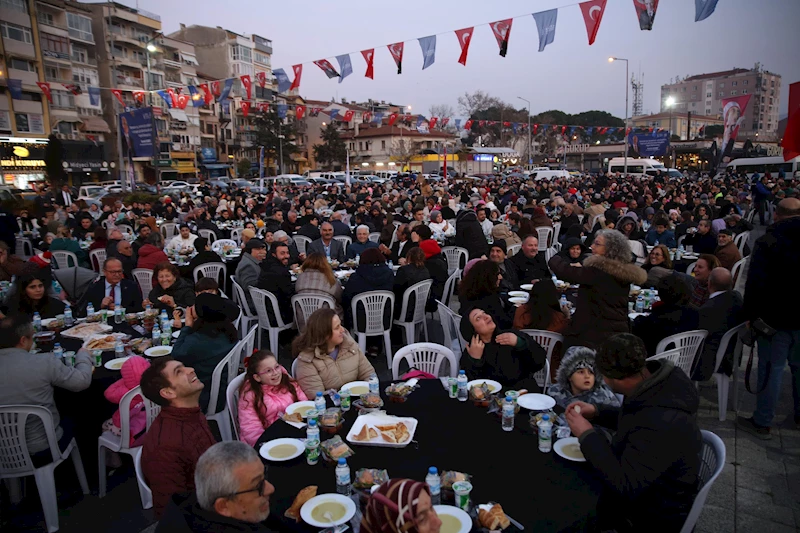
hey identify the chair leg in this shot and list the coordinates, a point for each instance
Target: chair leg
(46, 483)
(145, 494)
(722, 395)
(425, 328)
(101, 471)
(78, 462)
(387, 345)
(409, 333)
(362, 342)
(224, 426)
(273, 341)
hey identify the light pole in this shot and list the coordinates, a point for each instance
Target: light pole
(528, 151)
(670, 102)
(611, 60)
(151, 49)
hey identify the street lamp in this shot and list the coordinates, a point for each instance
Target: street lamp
(611, 60)
(529, 128)
(670, 102)
(152, 49)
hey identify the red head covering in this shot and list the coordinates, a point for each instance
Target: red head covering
(430, 248)
(393, 507)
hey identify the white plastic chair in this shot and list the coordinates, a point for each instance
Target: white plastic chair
(723, 380)
(144, 277)
(126, 229)
(232, 396)
(260, 299)
(208, 234)
(689, 343)
(670, 355)
(680, 240)
(712, 461)
(236, 235)
(304, 306)
(231, 362)
(455, 255)
(690, 268)
(737, 268)
(374, 304)
(547, 340)
(638, 249)
(301, 241)
(62, 259)
(741, 241)
(248, 345)
(23, 248)
(421, 291)
(247, 316)
(424, 356)
(15, 458)
(545, 234)
(345, 240)
(97, 258)
(144, 490)
(447, 318)
(218, 245)
(450, 287)
(556, 232)
(211, 270)
(374, 237)
(514, 248)
(542, 377)
(169, 230)
(294, 368)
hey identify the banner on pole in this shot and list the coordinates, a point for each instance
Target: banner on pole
(138, 132)
(733, 110)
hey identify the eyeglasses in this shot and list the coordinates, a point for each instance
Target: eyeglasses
(115, 271)
(275, 370)
(260, 489)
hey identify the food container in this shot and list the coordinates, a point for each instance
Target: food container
(45, 340)
(132, 318)
(499, 400)
(331, 420)
(398, 393)
(369, 403)
(462, 490)
(480, 395)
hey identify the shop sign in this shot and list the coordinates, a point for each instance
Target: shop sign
(85, 166)
(21, 156)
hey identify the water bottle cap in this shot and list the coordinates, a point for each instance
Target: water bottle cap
(508, 399)
(546, 417)
(312, 423)
(461, 372)
(342, 461)
(432, 470)
(336, 396)
(319, 395)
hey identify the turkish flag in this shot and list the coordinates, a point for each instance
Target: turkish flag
(481, 123)
(502, 31)
(139, 96)
(392, 118)
(118, 94)
(563, 130)
(181, 100)
(507, 124)
(791, 137)
(366, 117)
(491, 123)
(348, 115)
(299, 112)
(173, 97)
(396, 50)
(445, 120)
(248, 85)
(207, 96)
(369, 57)
(464, 38)
(432, 122)
(262, 79)
(628, 131)
(298, 73)
(263, 107)
(245, 107)
(215, 88)
(468, 124)
(45, 87)
(592, 16)
(327, 68)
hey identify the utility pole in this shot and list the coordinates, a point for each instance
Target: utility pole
(528, 151)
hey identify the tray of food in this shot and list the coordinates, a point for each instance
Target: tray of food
(104, 342)
(381, 430)
(86, 330)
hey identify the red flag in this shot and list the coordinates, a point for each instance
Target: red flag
(366, 117)
(481, 123)
(181, 100)
(118, 94)
(327, 68)
(628, 131)
(396, 50)
(407, 118)
(348, 115)
(261, 77)
(263, 106)
(646, 13)
(173, 97)
(555, 127)
(298, 73)
(432, 122)
(392, 118)
(468, 124)
(207, 96)
(138, 96)
(248, 85)
(464, 38)
(445, 120)
(563, 130)
(92, 138)
(215, 88)
(535, 128)
(592, 16)
(45, 87)
(491, 122)
(74, 89)
(733, 110)
(502, 31)
(506, 124)
(791, 137)
(299, 111)
(245, 107)
(369, 57)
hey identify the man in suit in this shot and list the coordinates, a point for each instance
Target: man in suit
(249, 268)
(722, 312)
(326, 244)
(339, 227)
(112, 290)
(64, 197)
(399, 250)
(43, 202)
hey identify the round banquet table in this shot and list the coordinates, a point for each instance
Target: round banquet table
(542, 491)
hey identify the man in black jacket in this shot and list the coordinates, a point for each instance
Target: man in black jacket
(650, 467)
(703, 241)
(497, 254)
(276, 278)
(339, 227)
(310, 229)
(112, 291)
(529, 265)
(469, 234)
(722, 312)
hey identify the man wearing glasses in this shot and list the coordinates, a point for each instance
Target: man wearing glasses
(112, 291)
(231, 493)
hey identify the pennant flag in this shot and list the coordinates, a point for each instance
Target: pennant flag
(546, 25)
(348, 115)
(226, 90)
(334, 113)
(420, 120)
(45, 87)
(369, 57)
(138, 96)
(514, 128)
(396, 50)
(245, 108)
(646, 13)
(392, 118)
(610, 130)
(345, 66)
(702, 129)
(502, 31)
(182, 100)
(627, 131)
(299, 111)
(704, 9)
(94, 95)
(165, 96)
(432, 122)
(592, 16)
(315, 111)
(261, 77)
(468, 124)
(445, 121)
(506, 124)
(490, 123)
(173, 96)
(458, 123)
(215, 88)
(535, 128)
(207, 96)
(407, 118)
(118, 94)
(248, 85)
(327, 68)
(589, 131)
(71, 87)
(298, 73)
(791, 137)
(283, 80)
(378, 118)
(428, 45)
(92, 138)
(282, 109)
(197, 98)
(464, 38)
(366, 117)
(263, 106)
(572, 130)
(15, 88)
(481, 123)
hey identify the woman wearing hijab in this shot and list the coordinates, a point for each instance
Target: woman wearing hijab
(401, 506)
(574, 251)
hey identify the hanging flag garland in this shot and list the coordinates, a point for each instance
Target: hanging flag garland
(248, 85)
(546, 26)
(348, 115)
(392, 118)
(369, 57)
(245, 108)
(592, 16)
(428, 45)
(299, 111)
(464, 38)
(298, 73)
(432, 122)
(646, 13)
(261, 77)
(118, 95)
(345, 66)
(45, 87)
(502, 31)
(396, 50)
(703, 9)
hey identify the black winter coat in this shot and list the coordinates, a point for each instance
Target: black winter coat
(511, 366)
(371, 277)
(469, 234)
(277, 279)
(183, 514)
(407, 276)
(527, 269)
(663, 322)
(437, 267)
(181, 291)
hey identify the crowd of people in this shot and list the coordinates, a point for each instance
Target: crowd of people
(606, 232)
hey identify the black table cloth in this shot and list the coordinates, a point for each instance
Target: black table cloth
(542, 491)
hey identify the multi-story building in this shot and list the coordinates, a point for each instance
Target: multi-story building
(703, 95)
(683, 125)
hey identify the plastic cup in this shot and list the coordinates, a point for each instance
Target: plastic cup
(312, 452)
(344, 400)
(514, 395)
(462, 490)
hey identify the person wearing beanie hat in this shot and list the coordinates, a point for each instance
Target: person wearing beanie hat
(497, 254)
(657, 444)
(436, 263)
(578, 379)
(647, 220)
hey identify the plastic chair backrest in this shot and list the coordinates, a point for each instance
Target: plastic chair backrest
(125, 415)
(737, 269)
(681, 239)
(448, 328)
(248, 343)
(741, 241)
(556, 232)
(125, 229)
(690, 268)
(211, 270)
(712, 462)
(345, 240)
(260, 299)
(304, 305)
(374, 237)
(294, 368)
(689, 343)
(218, 245)
(455, 255)
(169, 230)
(450, 286)
(421, 291)
(542, 377)
(425, 356)
(731, 334)
(232, 401)
(144, 277)
(514, 248)
(63, 258)
(229, 362)
(670, 355)
(236, 235)
(15, 457)
(546, 339)
(240, 298)
(545, 234)
(97, 258)
(374, 304)
(208, 234)
(301, 241)
(23, 247)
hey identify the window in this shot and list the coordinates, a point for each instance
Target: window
(80, 27)
(744, 91)
(683, 89)
(14, 5)
(21, 64)
(708, 95)
(44, 18)
(733, 93)
(63, 99)
(694, 88)
(360, 146)
(15, 32)
(51, 73)
(722, 85)
(383, 145)
(156, 80)
(734, 83)
(66, 128)
(240, 69)
(79, 54)
(54, 46)
(694, 97)
(260, 57)
(29, 122)
(240, 53)
(84, 76)
(721, 94)
(745, 82)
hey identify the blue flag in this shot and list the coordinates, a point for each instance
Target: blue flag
(94, 95)
(589, 131)
(345, 66)
(514, 127)
(703, 9)
(428, 45)
(333, 113)
(571, 130)
(420, 120)
(546, 24)
(458, 123)
(165, 96)
(226, 90)
(197, 98)
(611, 130)
(282, 108)
(15, 87)
(226, 106)
(283, 80)
(378, 118)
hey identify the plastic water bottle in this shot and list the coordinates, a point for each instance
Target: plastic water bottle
(163, 318)
(545, 434)
(435, 485)
(56, 287)
(312, 442)
(374, 384)
(563, 301)
(647, 299)
(37, 322)
(508, 414)
(156, 335)
(165, 335)
(119, 350)
(312, 431)
(343, 477)
(68, 320)
(89, 309)
(462, 386)
(640, 303)
(319, 403)
(148, 308)
(58, 351)
(358, 259)
(391, 264)
(679, 253)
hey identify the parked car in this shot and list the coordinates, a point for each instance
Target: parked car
(223, 185)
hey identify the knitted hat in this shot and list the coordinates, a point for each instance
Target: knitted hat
(499, 244)
(430, 248)
(576, 358)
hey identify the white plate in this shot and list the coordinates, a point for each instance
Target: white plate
(47, 321)
(154, 351)
(526, 286)
(373, 420)
(116, 364)
(267, 447)
(632, 316)
(494, 386)
(536, 402)
(308, 507)
(299, 405)
(358, 386)
(176, 334)
(457, 514)
(558, 447)
(518, 301)
(518, 294)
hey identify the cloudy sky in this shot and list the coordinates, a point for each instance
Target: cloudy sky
(569, 75)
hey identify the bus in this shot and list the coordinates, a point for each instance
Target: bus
(762, 165)
(636, 167)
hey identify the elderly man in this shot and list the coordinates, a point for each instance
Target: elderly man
(183, 241)
(112, 290)
(291, 224)
(529, 266)
(276, 278)
(249, 268)
(339, 227)
(439, 226)
(327, 245)
(403, 243)
(361, 243)
(114, 238)
(231, 493)
(127, 258)
(727, 251)
(497, 254)
(722, 312)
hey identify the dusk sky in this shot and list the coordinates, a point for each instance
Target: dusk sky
(569, 75)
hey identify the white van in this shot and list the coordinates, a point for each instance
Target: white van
(548, 174)
(636, 167)
(387, 174)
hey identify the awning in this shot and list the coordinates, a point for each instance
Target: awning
(298, 158)
(95, 124)
(178, 114)
(215, 166)
(185, 167)
(189, 58)
(57, 119)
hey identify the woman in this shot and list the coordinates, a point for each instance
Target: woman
(204, 254)
(169, 213)
(372, 274)
(502, 232)
(316, 277)
(574, 251)
(170, 290)
(208, 337)
(670, 316)
(401, 506)
(658, 265)
(95, 212)
(542, 310)
(99, 238)
(151, 253)
(30, 296)
(540, 218)
(510, 357)
(481, 288)
(266, 392)
(605, 280)
(64, 241)
(327, 357)
(409, 274)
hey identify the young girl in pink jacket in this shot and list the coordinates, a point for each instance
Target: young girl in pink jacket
(266, 392)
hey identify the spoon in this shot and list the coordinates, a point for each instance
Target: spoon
(328, 516)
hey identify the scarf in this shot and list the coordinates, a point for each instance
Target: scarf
(392, 508)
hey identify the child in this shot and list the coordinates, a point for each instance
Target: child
(577, 380)
(131, 371)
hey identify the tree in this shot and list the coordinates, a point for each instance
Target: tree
(442, 111)
(403, 150)
(332, 150)
(268, 129)
(243, 167)
(469, 104)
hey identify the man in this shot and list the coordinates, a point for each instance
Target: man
(593, 211)
(310, 229)
(497, 254)
(650, 467)
(773, 270)
(486, 224)
(399, 250)
(295, 257)
(687, 222)
(43, 201)
(529, 266)
(727, 252)
(703, 240)
(85, 227)
(274, 222)
(178, 436)
(141, 240)
(276, 278)
(114, 238)
(339, 227)
(469, 234)
(722, 312)
(64, 197)
(184, 240)
(249, 268)
(568, 220)
(439, 226)
(701, 271)
(417, 217)
(327, 245)
(231, 493)
(361, 243)
(127, 258)
(290, 225)
(28, 379)
(112, 290)
(659, 234)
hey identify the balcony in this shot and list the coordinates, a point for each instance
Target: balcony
(129, 61)
(63, 81)
(48, 21)
(84, 60)
(130, 81)
(169, 63)
(80, 35)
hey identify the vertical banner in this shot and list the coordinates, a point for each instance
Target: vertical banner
(261, 163)
(646, 13)
(299, 112)
(791, 137)
(396, 50)
(283, 80)
(282, 109)
(733, 110)
(261, 78)
(15, 88)
(432, 122)
(502, 31)
(592, 16)
(704, 9)
(45, 87)
(245, 108)
(248, 85)
(298, 74)
(546, 25)
(118, 95)
(138, 132)
(226, 90)
(428, 45)
(345, 66)
(327, 68)
(94, 95)
(464, 38)
(458, 123)
(369, 57)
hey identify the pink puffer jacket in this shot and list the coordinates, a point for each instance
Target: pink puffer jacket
(275, 403)
(131, 371)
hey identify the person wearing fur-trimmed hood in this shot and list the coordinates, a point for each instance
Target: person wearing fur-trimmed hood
(578, 379)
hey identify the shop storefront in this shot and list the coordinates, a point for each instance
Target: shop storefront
(210, 167)
(22, 161)
(86, 162)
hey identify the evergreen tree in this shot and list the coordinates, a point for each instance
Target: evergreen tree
(332, 150)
